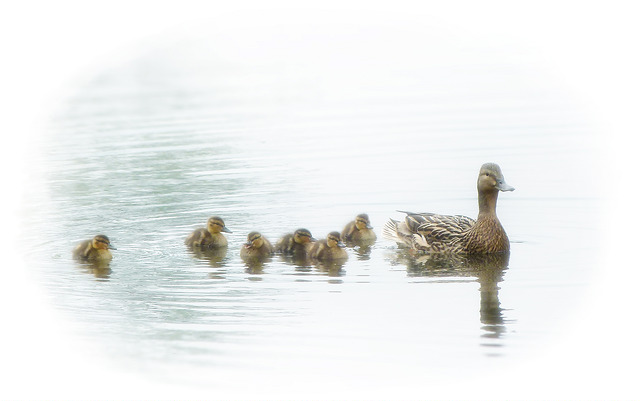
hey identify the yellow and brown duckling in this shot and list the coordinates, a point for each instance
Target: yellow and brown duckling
(297, 244)
(257, 248)
(94, 250)
(434, 233)
(359, 230)
(210, 237)
(331, 248)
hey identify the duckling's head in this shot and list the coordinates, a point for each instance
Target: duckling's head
(362, 222)
(302, 236)
(333, 240)
(254, 240)
(490, 179)
(101, 242)
(215, 225)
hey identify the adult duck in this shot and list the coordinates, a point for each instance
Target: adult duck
(435, 233)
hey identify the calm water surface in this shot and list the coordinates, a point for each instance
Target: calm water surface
(287, 135)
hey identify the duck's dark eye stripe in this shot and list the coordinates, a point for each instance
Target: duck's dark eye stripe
(256, 237)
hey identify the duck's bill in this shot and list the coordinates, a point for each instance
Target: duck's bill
(341, 245)
(226, 230)
(248, 244)
(503, 186)
(112, 247)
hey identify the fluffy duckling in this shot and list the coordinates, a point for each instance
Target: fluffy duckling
(434, 233)
(297, 244)
(359, 230)
(94, 250)
(257, 248)
(210, 237)
(330, 248)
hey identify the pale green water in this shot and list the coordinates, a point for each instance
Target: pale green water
(289, 135)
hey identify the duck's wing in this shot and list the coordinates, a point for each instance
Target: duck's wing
(429, 232)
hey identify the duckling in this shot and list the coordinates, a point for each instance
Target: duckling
(297, 244)
(210, 237)
(359, 230)
(434, 233)
(257, 248)
(94, 250)
(331, 248)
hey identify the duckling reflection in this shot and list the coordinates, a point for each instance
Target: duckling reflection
(210, 237)
(487, 269)
(296, 246)
(215, 256)
(99, 269)
(333, 268)
(96, 250)
(359, 232)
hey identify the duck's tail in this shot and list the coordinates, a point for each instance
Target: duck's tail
(390, 230)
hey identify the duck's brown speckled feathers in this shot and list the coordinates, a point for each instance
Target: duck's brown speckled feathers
(434, 233)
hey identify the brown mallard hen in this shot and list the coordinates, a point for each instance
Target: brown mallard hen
(435, 233)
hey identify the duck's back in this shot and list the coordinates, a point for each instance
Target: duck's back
(288, 245)
(82, 250)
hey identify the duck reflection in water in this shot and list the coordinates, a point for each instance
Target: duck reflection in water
(100, 269)
(217, 257)
(488, 270)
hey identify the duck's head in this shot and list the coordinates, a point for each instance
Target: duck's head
(215, 225)
(333, 240)
(362, 222)
(302, 236)
(490, 179)
(101, 242)
(254, 240)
